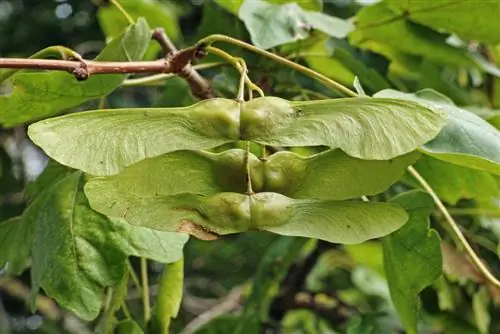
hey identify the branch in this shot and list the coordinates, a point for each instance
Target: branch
(82, 69)
(200, 87)
(295, 295)
(44, 305)
(229, 303)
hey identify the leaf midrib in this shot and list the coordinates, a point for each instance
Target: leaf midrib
(407, 14)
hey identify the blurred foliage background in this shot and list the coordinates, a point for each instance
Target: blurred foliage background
(327, 289)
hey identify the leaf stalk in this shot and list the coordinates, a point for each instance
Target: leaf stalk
(453, 226)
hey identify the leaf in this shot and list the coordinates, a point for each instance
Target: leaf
(365, 128)
(466, 140)
(432, 75)
(283, 172)
(16, 236)
(103, 142)
(412, 257)
(364, 324)
(128, 327)
(176, 93)
(480, 303)
(455, 16)
(452, 182)
(216, 20)
(271, 25)
(383, 24)
(77, 252)
(225, 324)
(456, 265)
(490, 115)
(207, 217)
(118, 293)
(157, 14)
(272, 268)
(43, 94)
(169, 297)
(322, 60)
(234, 5)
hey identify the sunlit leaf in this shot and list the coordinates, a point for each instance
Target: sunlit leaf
(169, 297)
(320, 59)
(333, 60)
(452, 182)
(158, 14)
(42, 94)
(412, 257)
(466, 140)
(455, 16)
(383, 24)
(234, 5)
(270, 25)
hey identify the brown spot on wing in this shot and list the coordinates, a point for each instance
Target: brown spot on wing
(196, 230)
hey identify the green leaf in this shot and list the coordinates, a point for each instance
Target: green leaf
(466, 140)
(452, 182)
(77, 252)
(480, 303)
(283, 172)
(370, 78)
(272, 268)
(455, 16)
(412, 257)
(365, 128)
(225, 324)
(216, 20)
(364, 324)
(207, 217)
(176, 93)
(383, 24)
(43, 94)
(234, 5)
(103, 142)
(320, 59)
(490, 115)
(16, 235)
(118, 293)
(271, 25)
(169, 297)
(128, 327)
(157, 14)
